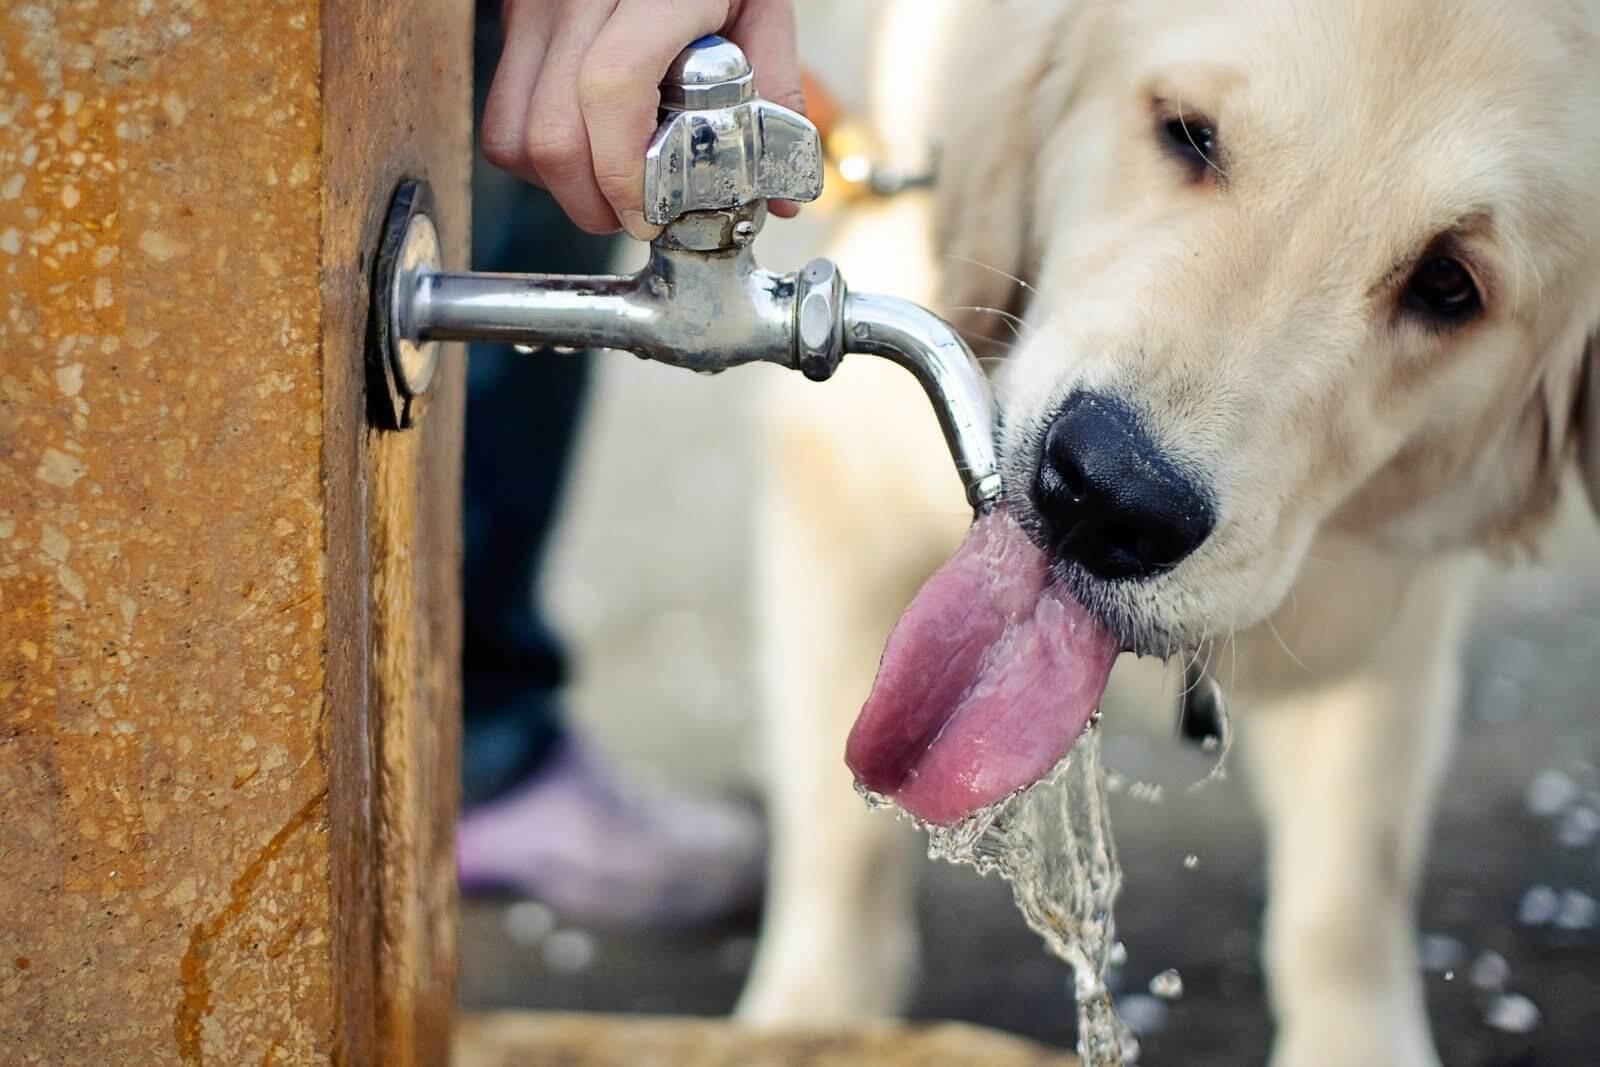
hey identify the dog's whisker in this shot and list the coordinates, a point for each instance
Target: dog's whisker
(1009, 316)
(1015, 323)
(990, 267)
(1283, 645)
(998, 342)
(1186, 685)
(1202, 643)
(1209, 646)
(1213, 649)
(1233, 667)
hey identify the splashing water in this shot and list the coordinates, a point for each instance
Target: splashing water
(1052, 843)
(1168, 985)
(1512, 1013)
(1489, 972)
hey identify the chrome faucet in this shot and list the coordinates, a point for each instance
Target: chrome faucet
(702, 302)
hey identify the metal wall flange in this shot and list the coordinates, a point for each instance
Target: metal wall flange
(400, 368)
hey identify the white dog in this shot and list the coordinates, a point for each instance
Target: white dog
(1286, 281)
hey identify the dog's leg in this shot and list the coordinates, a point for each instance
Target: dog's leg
(844, 542)
(861, 506)
(1346, 774)
(838, 939)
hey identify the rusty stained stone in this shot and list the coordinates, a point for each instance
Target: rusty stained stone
(406, 537)
(161, 540)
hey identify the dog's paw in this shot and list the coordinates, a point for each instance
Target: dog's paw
(826, 989)
(1344, 1041)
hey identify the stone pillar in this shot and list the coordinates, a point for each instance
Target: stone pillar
(228, 609)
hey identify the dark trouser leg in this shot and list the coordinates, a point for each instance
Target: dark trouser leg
(522, 417)
(561, 827)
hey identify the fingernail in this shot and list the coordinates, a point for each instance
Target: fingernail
(637, 227)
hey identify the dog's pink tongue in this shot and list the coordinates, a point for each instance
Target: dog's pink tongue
(987, 680)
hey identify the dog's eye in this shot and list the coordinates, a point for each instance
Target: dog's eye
(1193, 140)
(1443, 289)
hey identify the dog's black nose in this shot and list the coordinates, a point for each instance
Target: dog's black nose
(1109, 499)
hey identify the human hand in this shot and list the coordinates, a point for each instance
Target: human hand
(574, 99)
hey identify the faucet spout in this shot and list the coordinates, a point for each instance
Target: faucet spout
(700, 310)
(600, 311)
(710, 309)
(940, 360)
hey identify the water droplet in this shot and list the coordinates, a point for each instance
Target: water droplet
(874, 801)
(1191, 861)
(1579, 827)
(1539, 906)
(526, 350)
(569, 951)
(1512, 1013)
(1168, 985)
(1440, 954)
(527, 922)
(1550, 793)
(1449, 976)
(1149, 792)
(565, 350)
(1118, 954)
(1489, 972)
(1578, 911)
(1143, 1013)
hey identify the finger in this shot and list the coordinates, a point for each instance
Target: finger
(633, 52)
(765, 29)
(554, 134)
(505, 113)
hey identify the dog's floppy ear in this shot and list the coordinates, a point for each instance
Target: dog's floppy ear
(1005, 81)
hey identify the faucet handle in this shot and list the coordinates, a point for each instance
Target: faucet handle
(719, 145)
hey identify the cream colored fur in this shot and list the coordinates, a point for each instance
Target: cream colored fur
(1252, 318)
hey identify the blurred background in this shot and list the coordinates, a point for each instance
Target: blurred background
(645, 581)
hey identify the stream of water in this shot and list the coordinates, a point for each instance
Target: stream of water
(1052, 843)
